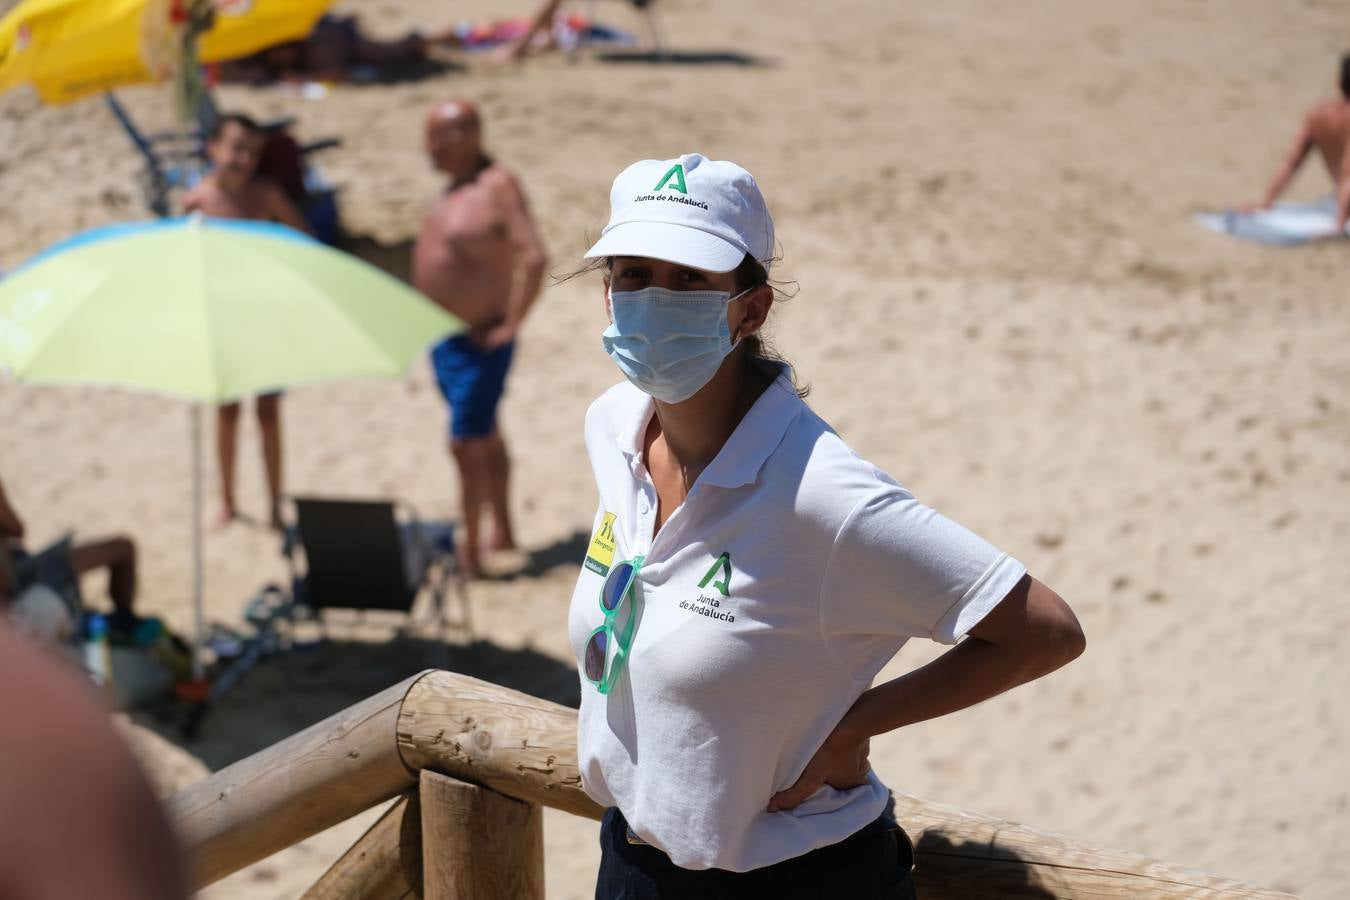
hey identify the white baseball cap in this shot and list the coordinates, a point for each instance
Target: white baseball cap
(694, 211)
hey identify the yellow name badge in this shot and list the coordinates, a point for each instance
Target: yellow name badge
(600, 555)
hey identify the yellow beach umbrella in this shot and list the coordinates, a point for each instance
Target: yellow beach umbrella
(68, 49)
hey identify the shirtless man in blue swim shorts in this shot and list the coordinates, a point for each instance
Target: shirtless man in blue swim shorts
(479, 256)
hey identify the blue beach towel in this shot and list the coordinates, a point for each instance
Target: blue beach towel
(1285, 225)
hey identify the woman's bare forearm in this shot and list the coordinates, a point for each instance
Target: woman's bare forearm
(970, 672)
(1029, 634)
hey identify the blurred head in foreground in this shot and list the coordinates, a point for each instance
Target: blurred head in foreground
(78, 816)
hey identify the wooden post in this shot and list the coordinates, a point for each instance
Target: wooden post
(478, 844)
(384, 864)
(486, 734)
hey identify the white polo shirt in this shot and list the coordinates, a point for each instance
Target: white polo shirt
(793, 571)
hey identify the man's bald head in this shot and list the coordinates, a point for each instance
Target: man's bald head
(453, 110)
(454, 138)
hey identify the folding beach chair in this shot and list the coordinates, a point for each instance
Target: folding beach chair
(172, 160)
(359, 556)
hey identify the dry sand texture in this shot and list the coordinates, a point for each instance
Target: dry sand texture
(1002, 302)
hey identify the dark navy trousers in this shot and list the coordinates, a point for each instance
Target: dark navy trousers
(872, 864)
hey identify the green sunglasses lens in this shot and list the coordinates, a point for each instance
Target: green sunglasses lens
(596, 650)
(616, 585)
(595, 658)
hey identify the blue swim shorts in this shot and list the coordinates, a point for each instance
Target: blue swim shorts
(472, 380)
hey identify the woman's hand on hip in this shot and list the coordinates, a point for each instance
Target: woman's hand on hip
(841, 762)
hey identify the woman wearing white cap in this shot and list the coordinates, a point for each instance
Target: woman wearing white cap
(748, 577)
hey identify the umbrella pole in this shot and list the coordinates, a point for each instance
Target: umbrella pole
(198, 628)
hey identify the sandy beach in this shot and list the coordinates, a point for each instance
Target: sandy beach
(1001, 299)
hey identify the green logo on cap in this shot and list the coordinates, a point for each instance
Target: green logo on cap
(676, 172)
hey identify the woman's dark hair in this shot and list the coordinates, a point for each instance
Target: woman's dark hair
(1345, 76)
(759, 354)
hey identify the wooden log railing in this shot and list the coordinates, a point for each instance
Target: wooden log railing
(384, 863)
(485, 744)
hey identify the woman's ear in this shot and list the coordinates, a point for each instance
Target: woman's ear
(756, 304)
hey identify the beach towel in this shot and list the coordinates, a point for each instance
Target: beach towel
(1285, 225)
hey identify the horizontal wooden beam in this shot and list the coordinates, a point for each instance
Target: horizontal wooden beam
(963, 854)
(279, 796)
(525, 748)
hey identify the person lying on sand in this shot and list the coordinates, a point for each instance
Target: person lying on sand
(537, 36)
(480, 257)
(333, 51)
(543, 30)
(1327, 127)
(231, 191)
(78, 816)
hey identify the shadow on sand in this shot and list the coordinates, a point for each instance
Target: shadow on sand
(564, 551)
(290, 692)
(682, 58)
(400, 73)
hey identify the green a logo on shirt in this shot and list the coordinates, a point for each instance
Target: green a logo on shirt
(676, 172)
(723, 565)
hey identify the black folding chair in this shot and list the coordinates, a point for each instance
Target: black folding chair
(359, 556)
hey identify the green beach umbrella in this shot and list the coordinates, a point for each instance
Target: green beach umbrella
(208, 310)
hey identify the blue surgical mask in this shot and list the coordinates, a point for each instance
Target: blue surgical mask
(668, 343)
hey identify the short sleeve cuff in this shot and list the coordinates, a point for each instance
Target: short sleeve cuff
(984, 595)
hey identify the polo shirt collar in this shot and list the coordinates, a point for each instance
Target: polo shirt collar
(636, 414)
(750, 445)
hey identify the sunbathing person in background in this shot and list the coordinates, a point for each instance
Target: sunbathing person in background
(231, 191)
(78, 816)
(1327, 127)
(545, 29)
(538, 34)
(20, 569)
(336, 50)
